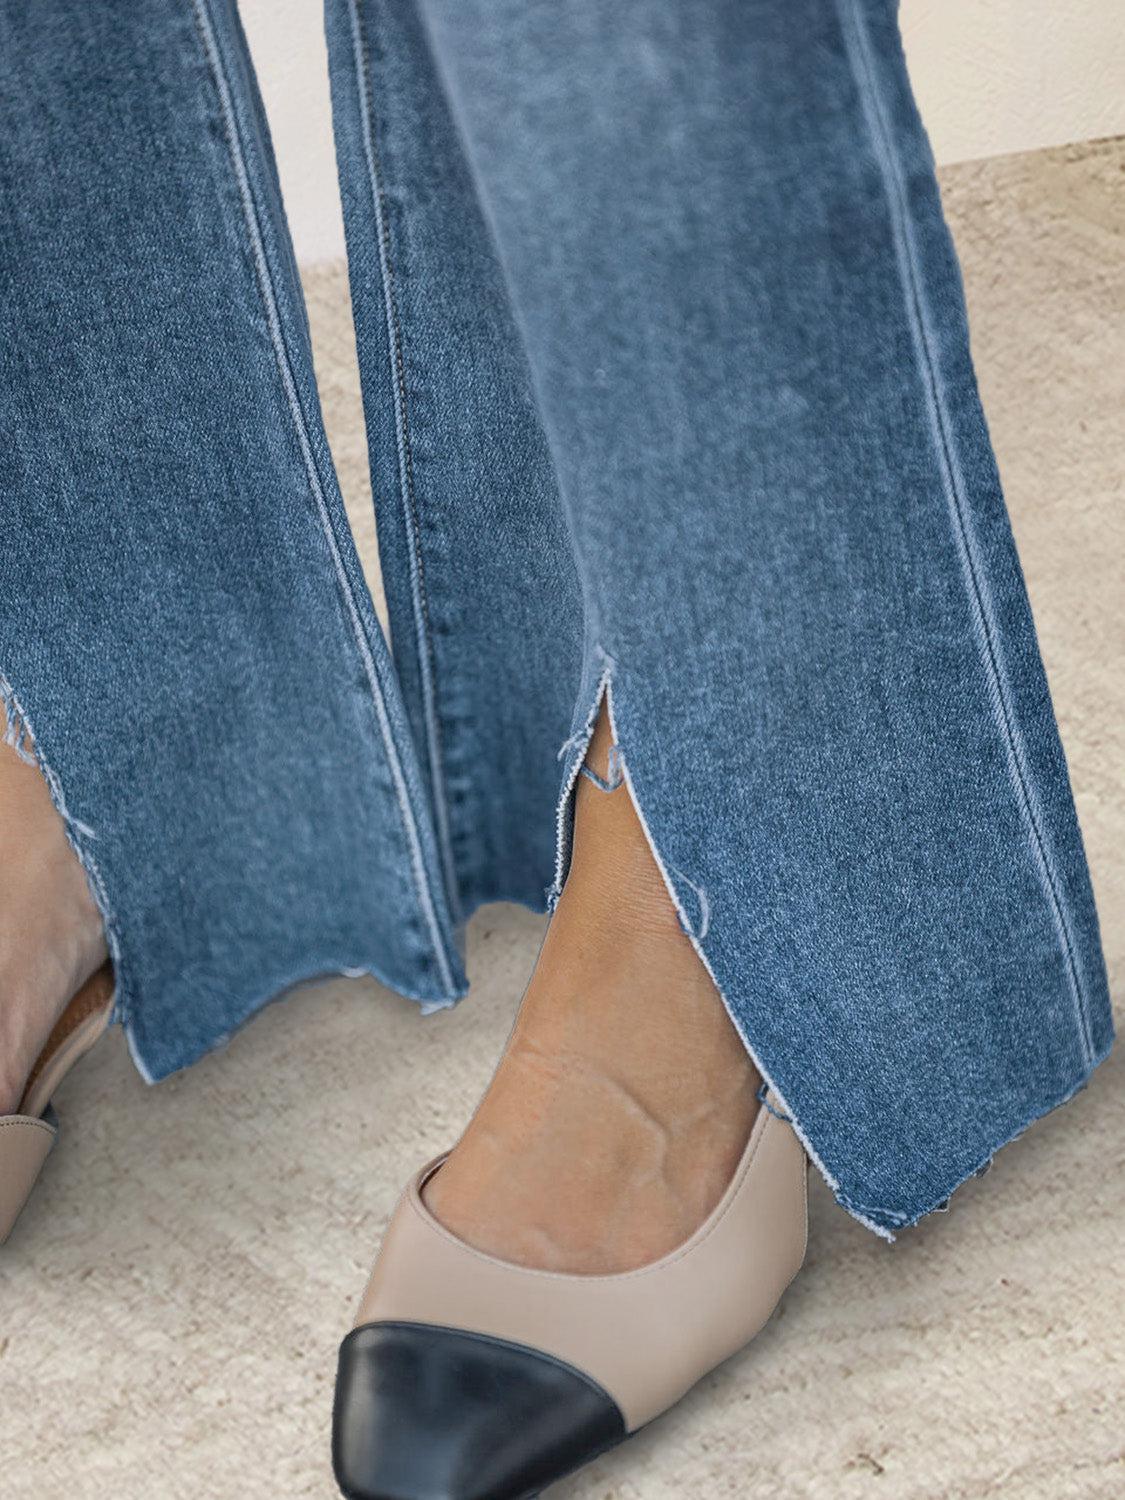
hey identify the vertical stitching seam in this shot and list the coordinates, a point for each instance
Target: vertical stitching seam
(281, 353)
(407, 493)
(858, 49)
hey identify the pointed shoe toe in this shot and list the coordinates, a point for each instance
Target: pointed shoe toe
(431, 1413)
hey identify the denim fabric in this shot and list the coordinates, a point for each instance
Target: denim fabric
(183, 619)
(669, 401)
(482, 591)
(744, 316)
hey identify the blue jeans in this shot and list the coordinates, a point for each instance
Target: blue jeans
(669, 402)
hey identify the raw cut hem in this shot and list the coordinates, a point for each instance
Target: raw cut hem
(154, 1070)
(889, 1222)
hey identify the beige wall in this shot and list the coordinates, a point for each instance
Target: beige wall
(992, 76)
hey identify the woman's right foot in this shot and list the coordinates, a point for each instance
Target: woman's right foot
(625, 1096)
(618, 1218)
(468, 1377)
(51, 935)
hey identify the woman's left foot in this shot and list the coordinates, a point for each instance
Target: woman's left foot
(509, 1332)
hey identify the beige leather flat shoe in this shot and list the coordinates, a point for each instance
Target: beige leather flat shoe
(26, 1138)
(469, 1378)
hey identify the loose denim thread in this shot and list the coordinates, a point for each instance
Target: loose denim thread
(579, 741)
(616, 776)
(15, 725)
(762, 1097)
(703, 902)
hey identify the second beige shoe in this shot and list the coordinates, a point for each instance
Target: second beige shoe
(26, 1138)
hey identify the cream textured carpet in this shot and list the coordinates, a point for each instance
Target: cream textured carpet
(171, 1302)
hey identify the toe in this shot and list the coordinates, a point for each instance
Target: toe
(431, 1413)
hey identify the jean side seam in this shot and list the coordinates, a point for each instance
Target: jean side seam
(263, 273)
(361, 57)
(859, 54)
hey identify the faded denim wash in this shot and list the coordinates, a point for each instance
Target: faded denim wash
(669, 402)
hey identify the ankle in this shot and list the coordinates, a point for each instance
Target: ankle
(625, 1097)
(51, 933)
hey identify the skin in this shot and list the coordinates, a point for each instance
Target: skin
(51, 935)
(623, 1100)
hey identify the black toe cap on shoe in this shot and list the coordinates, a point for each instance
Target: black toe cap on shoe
(428, 1413)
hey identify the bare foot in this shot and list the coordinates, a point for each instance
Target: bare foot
(624, 1099)
(51, 934)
